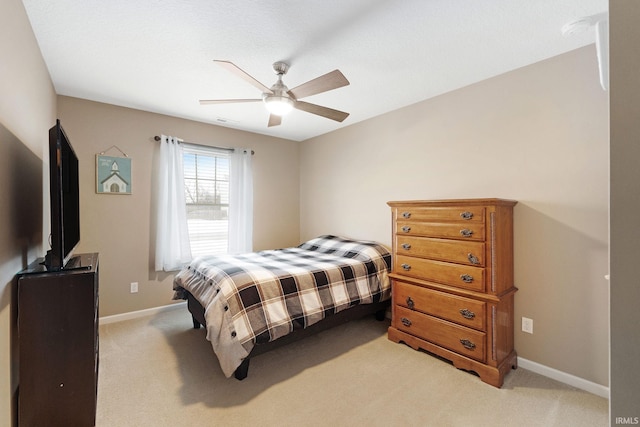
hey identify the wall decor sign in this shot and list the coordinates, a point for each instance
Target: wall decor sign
(113, 174)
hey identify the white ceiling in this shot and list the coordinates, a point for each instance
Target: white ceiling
(156, 55)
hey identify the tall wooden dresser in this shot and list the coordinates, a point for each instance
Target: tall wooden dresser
(452, 279)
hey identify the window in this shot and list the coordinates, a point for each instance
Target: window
(206, 185)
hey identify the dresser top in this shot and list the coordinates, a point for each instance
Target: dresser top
(454, 202)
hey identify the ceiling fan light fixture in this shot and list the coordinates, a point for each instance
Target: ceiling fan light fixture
(278, 104)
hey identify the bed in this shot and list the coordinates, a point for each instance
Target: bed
(254, 302)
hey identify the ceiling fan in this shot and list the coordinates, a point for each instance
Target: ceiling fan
(279, 99)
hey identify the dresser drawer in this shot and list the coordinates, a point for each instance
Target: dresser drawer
(465, 311)
(460, 339)
(471, 253)
(460, 276)
(462, 231)
(438, 214)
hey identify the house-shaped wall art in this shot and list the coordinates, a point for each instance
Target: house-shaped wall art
(113, 175)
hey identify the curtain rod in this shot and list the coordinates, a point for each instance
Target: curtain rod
(157, 138)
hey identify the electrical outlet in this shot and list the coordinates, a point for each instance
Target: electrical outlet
(134, 287)
(527, 325)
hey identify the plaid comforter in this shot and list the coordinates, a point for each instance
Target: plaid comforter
(261, 296)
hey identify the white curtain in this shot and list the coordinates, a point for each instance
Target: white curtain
(172, 234)
(240, 202)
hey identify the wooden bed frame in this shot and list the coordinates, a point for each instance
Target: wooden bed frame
(378, 309)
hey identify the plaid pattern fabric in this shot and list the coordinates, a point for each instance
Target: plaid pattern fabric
(270, 293)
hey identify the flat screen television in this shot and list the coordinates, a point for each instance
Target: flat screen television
(64, 183)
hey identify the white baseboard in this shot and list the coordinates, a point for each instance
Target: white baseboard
(563, 377)
(140, 313)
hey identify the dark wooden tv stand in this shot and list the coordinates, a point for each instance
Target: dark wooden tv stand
(58, 344)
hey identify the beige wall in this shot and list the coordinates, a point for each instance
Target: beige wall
(27, 110)
(121, 228)
(625, 205)
(538, 135)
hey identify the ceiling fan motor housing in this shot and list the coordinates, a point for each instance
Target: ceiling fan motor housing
(279, 102)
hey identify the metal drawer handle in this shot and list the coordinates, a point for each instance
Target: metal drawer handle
(406, 229)
(473, 259)
(468, 344)
(466, 278)
(405, 321)
(467, 314)
(410, 303)
(406, 267)
(406, 246)
(406, 215)
(466, 215)
(466, 232)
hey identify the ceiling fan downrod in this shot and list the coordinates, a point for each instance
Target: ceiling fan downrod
(279, 102)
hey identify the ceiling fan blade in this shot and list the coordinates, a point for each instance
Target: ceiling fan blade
(329, 81)
(226, 101)
(274, 120)
(242, 74)
(329, 113)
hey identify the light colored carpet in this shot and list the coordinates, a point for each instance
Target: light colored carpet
(159, 371)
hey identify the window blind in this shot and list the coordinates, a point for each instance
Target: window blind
(206, 184)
